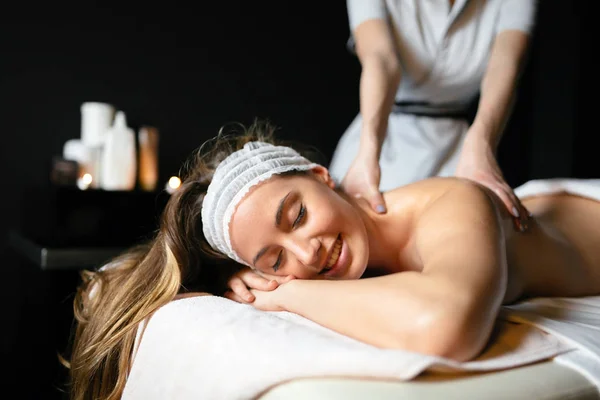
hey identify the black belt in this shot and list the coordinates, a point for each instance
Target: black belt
(424, 109)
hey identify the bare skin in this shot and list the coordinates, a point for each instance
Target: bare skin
(429, 275)
(558, 256)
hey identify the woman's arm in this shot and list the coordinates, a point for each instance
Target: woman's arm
(447, 310)
(461, 241)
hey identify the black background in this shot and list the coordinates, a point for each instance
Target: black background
(189, 68)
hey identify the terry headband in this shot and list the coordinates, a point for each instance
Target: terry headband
(233, 179)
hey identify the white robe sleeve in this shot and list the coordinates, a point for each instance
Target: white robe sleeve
(361, 10)
(517, 15)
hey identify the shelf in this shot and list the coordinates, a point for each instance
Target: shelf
(49, 258)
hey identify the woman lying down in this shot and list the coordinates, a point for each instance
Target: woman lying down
(442, 260)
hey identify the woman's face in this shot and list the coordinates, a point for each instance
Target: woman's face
(298, 225)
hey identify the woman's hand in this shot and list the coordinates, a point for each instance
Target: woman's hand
(270, 300)
(246, 280)
(362, 180)
(478, 163)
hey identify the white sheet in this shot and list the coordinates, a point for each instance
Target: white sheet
(575, 320)
(589, 188)
(213, 348)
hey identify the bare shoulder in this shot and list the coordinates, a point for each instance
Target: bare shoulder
(439, 210)
(461, 212)
(441, 191)
(461, 199)
(459, 238)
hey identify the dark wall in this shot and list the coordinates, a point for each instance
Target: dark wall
(189, 69)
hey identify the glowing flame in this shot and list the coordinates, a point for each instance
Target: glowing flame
(84, 182)
(173, 184)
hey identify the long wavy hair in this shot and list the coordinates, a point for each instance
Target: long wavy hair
(111, 302)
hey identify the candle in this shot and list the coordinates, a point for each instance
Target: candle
(172, 185)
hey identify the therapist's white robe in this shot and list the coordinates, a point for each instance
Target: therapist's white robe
(443, 54)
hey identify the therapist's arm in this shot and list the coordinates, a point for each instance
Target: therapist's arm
(498, 86)
(478, 154)
(379, 81)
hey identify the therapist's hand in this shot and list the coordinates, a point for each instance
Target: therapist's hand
(362, 181)
(244, 281)
(478, 163)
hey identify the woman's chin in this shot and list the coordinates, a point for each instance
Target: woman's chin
(358, 272)
(353, 272)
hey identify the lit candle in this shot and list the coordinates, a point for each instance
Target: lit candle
(84, 182)
(172, 185)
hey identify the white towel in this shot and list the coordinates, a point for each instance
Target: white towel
(589, 188)
(576, 321)
(213, 348)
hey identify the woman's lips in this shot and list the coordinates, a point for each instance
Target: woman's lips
(340, 265)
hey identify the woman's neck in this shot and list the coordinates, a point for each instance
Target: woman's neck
(388, 234)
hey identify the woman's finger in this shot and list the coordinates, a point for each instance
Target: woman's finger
(255, 281)
(510, 207)
(239, 288)
(278, 278)
(506, 200)
(523, 212)
(233, 296)
(376, 200)
(509, 203)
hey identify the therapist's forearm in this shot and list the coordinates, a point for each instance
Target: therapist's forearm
(379, 81)
(499, 85)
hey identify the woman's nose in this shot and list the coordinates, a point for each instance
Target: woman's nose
(306, 251)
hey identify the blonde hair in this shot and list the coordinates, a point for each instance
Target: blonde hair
(111, 302)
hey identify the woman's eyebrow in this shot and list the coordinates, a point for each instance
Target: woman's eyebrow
(277, 223)
(259, 255)
(280, 209)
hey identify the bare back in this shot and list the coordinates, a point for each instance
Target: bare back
(559, 255)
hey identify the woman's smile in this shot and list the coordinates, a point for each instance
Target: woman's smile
(338, 260)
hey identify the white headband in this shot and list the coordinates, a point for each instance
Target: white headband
(233, 179)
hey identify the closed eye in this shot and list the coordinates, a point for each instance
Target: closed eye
(278, 262)
(300, 216)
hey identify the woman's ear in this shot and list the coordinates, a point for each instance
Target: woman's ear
(322, 174)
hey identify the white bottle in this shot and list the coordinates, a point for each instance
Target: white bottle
(119, 158)
(96, 119)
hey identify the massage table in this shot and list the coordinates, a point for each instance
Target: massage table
(545, 380)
